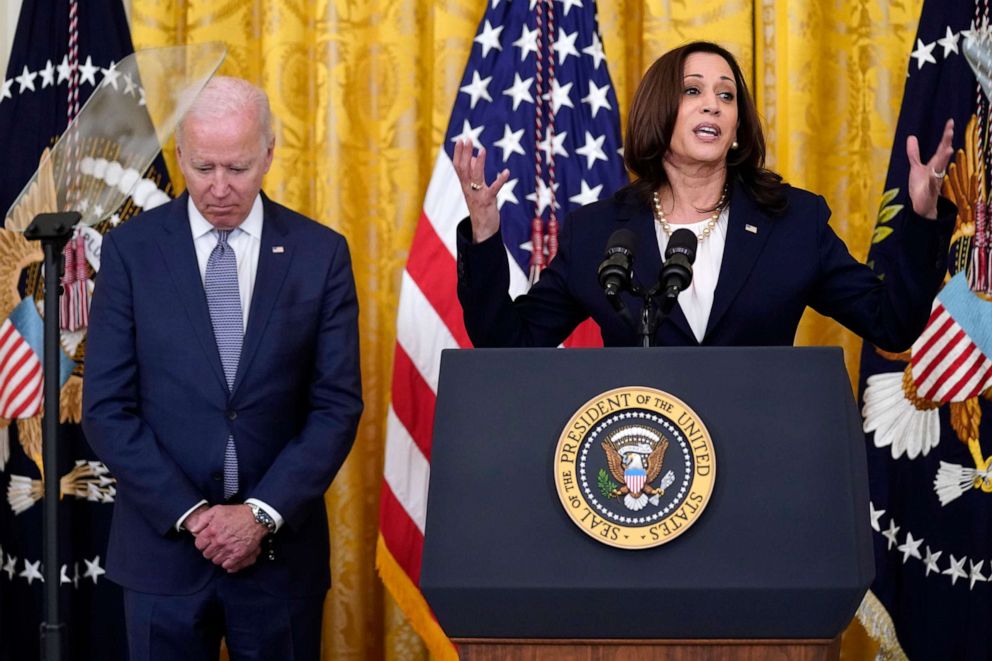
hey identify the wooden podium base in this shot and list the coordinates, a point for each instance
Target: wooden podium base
(490, 649)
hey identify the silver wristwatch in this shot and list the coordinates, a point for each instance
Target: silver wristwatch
(262, 517)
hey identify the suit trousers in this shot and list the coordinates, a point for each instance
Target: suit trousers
(255, 624)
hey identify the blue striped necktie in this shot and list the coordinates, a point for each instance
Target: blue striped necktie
(224, 301)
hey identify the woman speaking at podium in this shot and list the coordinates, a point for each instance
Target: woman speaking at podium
(765, 251)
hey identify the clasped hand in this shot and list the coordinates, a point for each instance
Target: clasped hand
(227, 535)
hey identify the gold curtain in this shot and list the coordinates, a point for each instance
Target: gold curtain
(362, 89)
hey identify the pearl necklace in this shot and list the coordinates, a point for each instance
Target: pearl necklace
(659, 216)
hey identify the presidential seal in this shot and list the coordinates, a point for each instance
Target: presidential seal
(634, 467)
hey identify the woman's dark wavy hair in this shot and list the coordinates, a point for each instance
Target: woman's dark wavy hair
(652, 120)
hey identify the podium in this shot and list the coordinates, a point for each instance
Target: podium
(775, 566)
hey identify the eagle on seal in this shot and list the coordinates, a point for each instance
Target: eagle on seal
(635, 469)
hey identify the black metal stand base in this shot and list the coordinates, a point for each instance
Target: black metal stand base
(53, 231)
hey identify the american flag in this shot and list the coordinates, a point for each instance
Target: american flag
(536, 93)
(20, 365)
(951, 359)
(927, 414)
(62, 51)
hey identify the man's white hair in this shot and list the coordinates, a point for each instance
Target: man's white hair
(224, 96)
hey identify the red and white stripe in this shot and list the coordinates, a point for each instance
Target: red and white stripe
(635, 481)
(429, 320)
(947, 366)
(20, 375)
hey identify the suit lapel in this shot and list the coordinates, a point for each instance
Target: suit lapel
(647, 261)
(747, 231)
(271, 273)
(176, 243)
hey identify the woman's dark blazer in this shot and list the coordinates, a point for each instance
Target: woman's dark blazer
(773, 268)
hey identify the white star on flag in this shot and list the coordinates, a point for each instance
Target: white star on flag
(129, 86)
(64, 69)
(595, 51)
(592, 149)
(470, 133)
(956, 570)
(519, 91)
(555, 145)
(87, 72)
(975, 574)
(560, 95)
(10, 567)
(565, 45)
(586, 195)
(489, 39)
(542, 197)
(26, 80)
(875, 516)
(31, 571)
(891, 533)
(47, 75)
(477, 89)
(568, 4)
(970, 32)
(110, 75)
(506, 194)
(527, 42)
(930, 560)
(949, 42)
(923, 53)
(510, 142)
(5, 90)
(910, 548)
(596, 98)
(93, 569)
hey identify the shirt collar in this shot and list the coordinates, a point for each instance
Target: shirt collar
(251, 225)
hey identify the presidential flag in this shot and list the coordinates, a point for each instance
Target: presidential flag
(927, 412)
(62, 51)
(536, 93)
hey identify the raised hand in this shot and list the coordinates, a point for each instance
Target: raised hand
(480, 198)
(925, 179)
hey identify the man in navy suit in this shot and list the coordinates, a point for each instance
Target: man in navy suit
(223, 391)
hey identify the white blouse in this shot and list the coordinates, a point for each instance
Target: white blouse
(697, 301)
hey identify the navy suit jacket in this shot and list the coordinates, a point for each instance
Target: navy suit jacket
(158, 412)
(773, 268)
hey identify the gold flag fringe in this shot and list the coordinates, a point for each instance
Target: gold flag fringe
(878, 623)
(412, 603)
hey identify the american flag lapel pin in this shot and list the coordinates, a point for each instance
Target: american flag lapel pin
(751, 228)
(278, 250)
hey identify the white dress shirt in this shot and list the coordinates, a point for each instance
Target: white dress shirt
(697, 301)
(245, 241)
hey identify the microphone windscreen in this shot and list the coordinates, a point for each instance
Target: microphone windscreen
(623, 239)
(683, 242)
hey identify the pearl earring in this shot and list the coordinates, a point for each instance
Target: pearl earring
(734, 145)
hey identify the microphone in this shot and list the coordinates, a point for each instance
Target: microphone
(615, 270)
(676, 274)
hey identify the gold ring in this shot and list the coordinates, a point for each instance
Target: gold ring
(475, 186)
(938, 175)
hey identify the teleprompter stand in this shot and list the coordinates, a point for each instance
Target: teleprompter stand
(53, 231)
(775, 567)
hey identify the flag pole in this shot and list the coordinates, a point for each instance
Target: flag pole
(53, 231)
